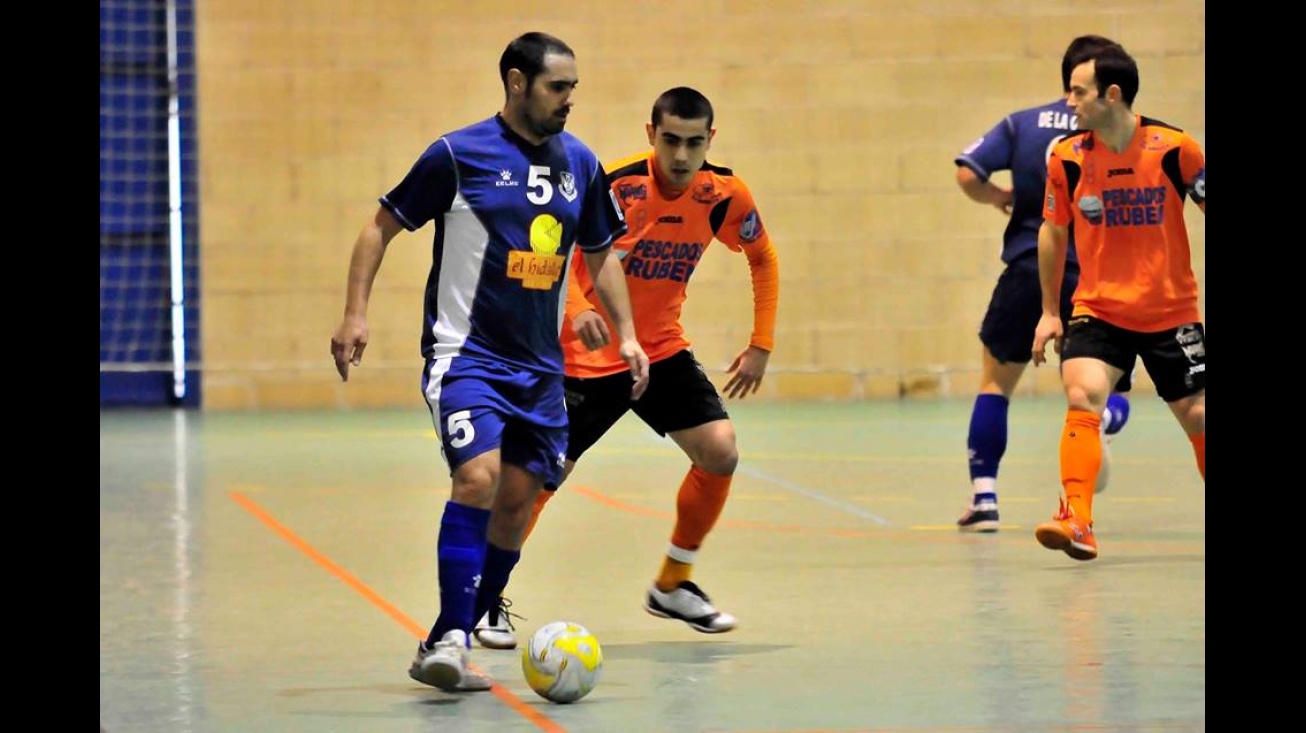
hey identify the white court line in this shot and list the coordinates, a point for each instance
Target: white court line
(794, 487)
(183, 630)
(809, 493)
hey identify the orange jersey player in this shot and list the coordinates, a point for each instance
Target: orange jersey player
(1121, 183)
(675, 203)
(1129, 219)
(666, 238)
(1020, 143)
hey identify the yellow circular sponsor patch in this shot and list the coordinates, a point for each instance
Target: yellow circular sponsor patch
(546, 234)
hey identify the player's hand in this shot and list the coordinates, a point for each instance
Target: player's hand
(1004, 199)
(592, 329)
(348, 343)
(1048, 329)
(633, 354)
(746, 372)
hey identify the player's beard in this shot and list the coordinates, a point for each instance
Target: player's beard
(551, 125)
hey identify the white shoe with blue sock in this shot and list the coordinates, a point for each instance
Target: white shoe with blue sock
(445, 665)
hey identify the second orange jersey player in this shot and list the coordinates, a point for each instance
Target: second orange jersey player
(675, 204)
(1121, 183)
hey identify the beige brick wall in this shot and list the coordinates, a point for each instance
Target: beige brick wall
(843, 116)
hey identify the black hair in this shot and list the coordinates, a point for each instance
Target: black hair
(1078, 52)
(683, 102)
(526, 54)
(1112, 65)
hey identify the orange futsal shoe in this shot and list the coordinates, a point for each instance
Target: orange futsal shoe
(1068, 533)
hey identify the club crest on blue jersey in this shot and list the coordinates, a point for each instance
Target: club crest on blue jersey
(567, 185)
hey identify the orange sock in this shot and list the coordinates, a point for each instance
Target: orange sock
(540, 501)
(1199, 448)
(1081, 459)
(698, 506)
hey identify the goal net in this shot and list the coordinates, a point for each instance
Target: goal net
(148, 264)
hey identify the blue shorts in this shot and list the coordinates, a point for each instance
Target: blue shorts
(1015, 307)
(479, 406)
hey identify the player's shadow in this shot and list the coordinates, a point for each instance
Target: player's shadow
(686, 652)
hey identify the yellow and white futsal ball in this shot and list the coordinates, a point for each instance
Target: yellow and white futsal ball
(562, 662)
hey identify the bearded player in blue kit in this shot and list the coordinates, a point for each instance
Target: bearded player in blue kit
(509, 196)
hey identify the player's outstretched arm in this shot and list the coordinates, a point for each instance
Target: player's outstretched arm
(749, 366)
(350, 338)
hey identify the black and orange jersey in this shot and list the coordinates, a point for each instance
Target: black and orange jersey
(1127, 214)
(664, 241)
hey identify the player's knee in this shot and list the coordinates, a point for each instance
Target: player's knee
(1081, 397)
(474, 486)
(720, 460)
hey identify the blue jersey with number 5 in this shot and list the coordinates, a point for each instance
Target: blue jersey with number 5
(506, 214)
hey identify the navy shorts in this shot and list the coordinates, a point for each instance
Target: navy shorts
(479, 406)
(1015, 307)
(679, 397)
(1175, 359)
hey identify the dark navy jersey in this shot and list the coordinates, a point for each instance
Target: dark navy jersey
(506, 214)
(1020, 143)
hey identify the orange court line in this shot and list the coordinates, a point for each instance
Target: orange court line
(540, 720)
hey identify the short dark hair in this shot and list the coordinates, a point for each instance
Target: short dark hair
(1078, 52)
(1112, 65)
(526, 53)
(683, 102)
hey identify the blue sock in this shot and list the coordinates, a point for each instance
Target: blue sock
(460, 551)
(987, 440)
(494, 578)
(1116, 414)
